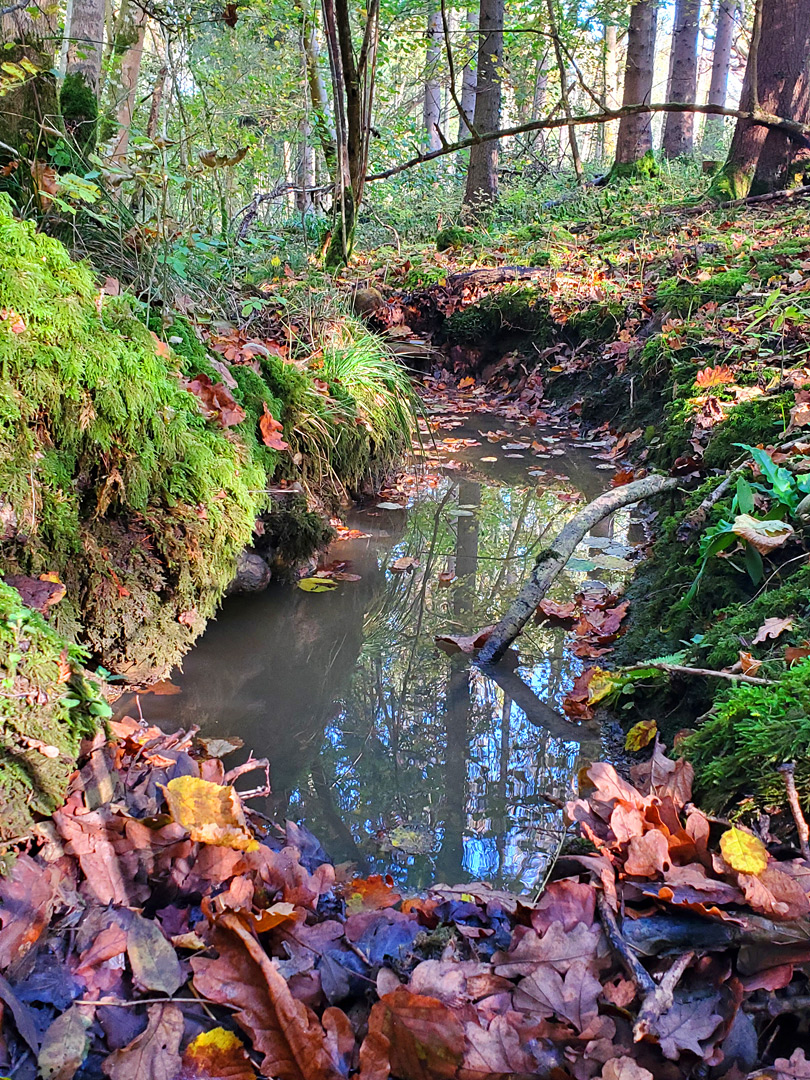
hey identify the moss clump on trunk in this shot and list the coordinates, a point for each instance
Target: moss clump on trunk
(646, 168)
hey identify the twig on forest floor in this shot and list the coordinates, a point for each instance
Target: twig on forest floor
(630, 962)
(661, 999)
(710, 673)
(788, 772)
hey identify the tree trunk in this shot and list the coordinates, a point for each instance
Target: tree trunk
(482, 174)
(305, 172)
(682, 85)
(123, 77)
(432, 99)
(468, 79)
(634, 156)
(323, 122)
(777, 80)
(27, 105)
(78, 100)
(718, 88)
(572, 131)
(610, 75)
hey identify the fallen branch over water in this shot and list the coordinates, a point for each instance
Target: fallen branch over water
(552, 561)
(707, 673)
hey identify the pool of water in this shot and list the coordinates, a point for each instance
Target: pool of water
(400, 758)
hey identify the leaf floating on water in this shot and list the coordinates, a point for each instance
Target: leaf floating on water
(455, 643)
(580, 565)
(488, 459)
(219, 748)
(389, 506)
(403, 564)
(412, 839)
(743, 852)
(316, 584)
(212, 813)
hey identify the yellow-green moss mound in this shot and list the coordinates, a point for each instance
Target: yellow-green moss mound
(109, 474)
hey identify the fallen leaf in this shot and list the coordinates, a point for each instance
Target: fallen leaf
(370, 894)
(765, 536)
(217, 1054)
(715, 376)
(217, 403)
(573, 999)
(403, 564)
(772, 628)
(683, 1026)
(796, 652)
(641, 735)
(65, 1045)
(316, 584)
(624, 1068)
(743, 852)
(154, 1053)
(212, 813)
(271, 430)
(455, 643)
(425, 1039)
(152, 958)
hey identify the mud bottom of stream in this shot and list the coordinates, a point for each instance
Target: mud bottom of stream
(396, 756)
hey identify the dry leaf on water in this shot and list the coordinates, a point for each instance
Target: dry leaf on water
(455, 643)
(212, 813)
(404, 564)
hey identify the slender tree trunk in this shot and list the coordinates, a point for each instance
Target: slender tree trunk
(721, 63)
(323, 122)
(432, 97)
(540, 95)
(682, 85)
(305, 176)
(634, 141)
(482, 174)
(468, 79)
(123, 77)
(777, 80)
(572, 131)
(610, 87)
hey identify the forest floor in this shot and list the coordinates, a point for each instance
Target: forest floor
(154, 925)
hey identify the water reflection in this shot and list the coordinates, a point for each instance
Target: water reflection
(398, 757)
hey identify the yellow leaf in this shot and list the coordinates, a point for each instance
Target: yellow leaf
(601, 684)
(218, 1052)
(212, 813)
(640, 735)
(743, 852)
(317, 584)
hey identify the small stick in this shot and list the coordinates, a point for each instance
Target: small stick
(788, 772)
(709, 673)
(630, 962)
(661, 999)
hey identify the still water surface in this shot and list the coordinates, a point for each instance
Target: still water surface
(398, 757)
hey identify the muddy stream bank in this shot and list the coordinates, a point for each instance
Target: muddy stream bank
(398, 757)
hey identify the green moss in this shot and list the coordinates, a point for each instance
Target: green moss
(598, 322)
(79, 107)
(614, 236)
(114, 478)
(36, 704)
(515, 309)
(681, 297)
(754, 730)
(756, 422)
(454, 237)
(292, 532)
(646, 168)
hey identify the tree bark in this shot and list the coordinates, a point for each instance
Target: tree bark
(482, 173)
(468, 78)
(777, 79)
(78, 100)
(25, 107)
(123, 78)
(634, 141)
(319, 99)
(682, 85)
(572, 131)
(610, 75)
(721, 64)
(432, 96)
(553, 559)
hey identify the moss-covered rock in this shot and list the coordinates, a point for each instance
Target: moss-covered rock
(455, 237)
(514, 310)
(113, 477)
(45, 711)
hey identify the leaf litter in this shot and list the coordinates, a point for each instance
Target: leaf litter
(171, 932)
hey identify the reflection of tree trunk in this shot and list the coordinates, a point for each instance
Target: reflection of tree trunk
(458, 703)
(346, 846)
(499, 824)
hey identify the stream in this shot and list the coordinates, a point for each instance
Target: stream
(399, 758)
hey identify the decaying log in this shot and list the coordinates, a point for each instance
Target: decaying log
(553, 559)
(494, 275)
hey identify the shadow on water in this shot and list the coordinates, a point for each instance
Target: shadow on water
(398, 757)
